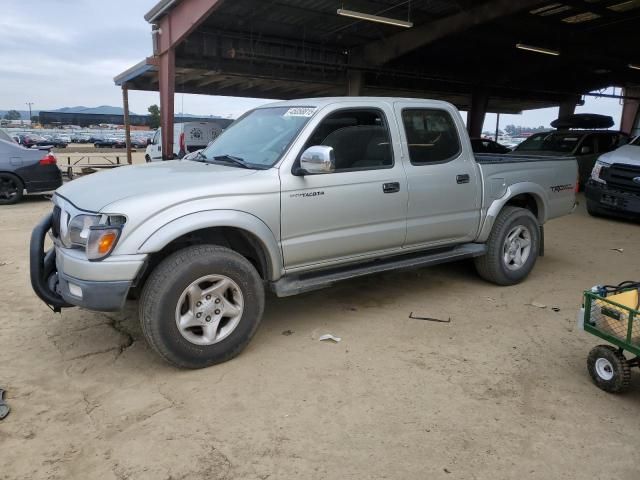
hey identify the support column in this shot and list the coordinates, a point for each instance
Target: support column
(477, 112)
(630, 118)
(127, 123)
(354, 83)
(167, 78)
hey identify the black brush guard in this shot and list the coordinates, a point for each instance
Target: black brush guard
(43, 267)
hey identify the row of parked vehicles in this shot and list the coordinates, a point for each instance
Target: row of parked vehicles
(31, 139)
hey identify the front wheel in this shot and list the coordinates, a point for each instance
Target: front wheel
(512, 247)
(201, 306)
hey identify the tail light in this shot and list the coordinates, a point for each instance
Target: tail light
(48, 159)
(182, 149)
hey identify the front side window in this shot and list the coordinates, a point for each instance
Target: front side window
(432, 136)
(156, 138)
(259, 138)
(360, 139)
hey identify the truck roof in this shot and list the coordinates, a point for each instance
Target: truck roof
(324, 101)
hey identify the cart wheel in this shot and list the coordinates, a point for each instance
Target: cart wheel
(609, 369)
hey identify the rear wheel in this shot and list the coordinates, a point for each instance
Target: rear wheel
(11, 189)
(147, 158)
(201, 306)
(512, 247)
(609, 369)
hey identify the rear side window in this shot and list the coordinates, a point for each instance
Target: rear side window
(432, 136)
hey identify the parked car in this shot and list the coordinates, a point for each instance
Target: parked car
(55, 141)
(138, 142)
(24, 169)
(614, 186)
(294, 196)
(63, 138)
(110, 142)
(585, 145)
(187, 137)
(486, 145)
(31, 140)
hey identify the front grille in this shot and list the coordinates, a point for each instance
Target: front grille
(622, 176)
(55, 226)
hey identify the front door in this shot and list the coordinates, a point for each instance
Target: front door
(357, 211)
(443, 177)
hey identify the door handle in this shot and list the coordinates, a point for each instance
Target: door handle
(464, 178)
(391, 187)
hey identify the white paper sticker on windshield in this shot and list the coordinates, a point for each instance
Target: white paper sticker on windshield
(300, 112)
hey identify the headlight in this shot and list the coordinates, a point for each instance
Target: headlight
(597, 171)
(78, 230)
(102, 240)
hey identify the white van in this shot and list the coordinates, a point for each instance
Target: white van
(187, 137)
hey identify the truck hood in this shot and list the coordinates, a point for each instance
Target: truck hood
(627, 154)
(94, 192)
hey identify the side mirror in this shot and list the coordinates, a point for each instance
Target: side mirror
(317, 160)
(585, 150)
(148, 142)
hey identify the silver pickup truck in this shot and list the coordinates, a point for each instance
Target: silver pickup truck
(293, 196)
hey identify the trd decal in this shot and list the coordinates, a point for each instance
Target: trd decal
(307, 194)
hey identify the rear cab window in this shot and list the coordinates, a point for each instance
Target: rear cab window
(432, 136)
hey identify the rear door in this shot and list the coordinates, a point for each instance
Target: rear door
(443, 178)
(360, 209)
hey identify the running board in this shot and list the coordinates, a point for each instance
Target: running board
(305, 282)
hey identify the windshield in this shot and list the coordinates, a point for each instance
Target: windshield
(259, 138)
(551, 142)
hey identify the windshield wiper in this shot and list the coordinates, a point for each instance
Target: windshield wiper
(231, 159)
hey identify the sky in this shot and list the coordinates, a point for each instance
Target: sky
(68, 53)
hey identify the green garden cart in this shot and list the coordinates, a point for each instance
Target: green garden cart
(612, 313)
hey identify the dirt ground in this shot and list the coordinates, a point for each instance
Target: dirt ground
(501, 392)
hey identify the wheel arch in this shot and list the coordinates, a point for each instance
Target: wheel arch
(527, 195)
(239, 231)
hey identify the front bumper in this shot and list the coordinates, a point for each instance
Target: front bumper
(62, 278)
(612, 200)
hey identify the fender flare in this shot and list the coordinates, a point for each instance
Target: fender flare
(219, 218)
(530, 188)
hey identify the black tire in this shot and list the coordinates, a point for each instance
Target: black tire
(614, 363)
(492, 266)
(11, 189)
(167, 282)
(147, 158)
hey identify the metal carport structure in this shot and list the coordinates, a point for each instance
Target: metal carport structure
(464, 52)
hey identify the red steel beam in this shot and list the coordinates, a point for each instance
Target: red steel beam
(174, 28)
(182, 20)
(167, 78)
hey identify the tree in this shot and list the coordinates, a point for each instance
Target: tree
(12, 115)
(154, 116)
